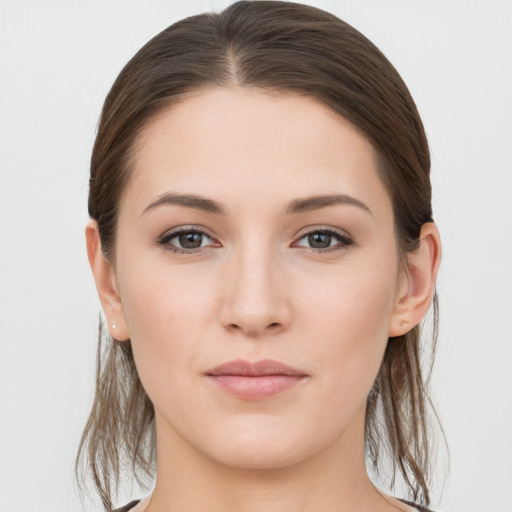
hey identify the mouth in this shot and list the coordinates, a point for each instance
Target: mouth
(255, 380)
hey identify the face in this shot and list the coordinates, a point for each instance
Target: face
(258, 273)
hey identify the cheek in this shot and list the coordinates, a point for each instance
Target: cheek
(159, 295)
(168, 312)
(350, 314)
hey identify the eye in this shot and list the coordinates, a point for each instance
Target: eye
(323, 240)
(186, 240)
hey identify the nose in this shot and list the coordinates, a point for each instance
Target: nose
(255, 300)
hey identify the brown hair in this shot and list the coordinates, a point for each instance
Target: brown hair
(275, 46)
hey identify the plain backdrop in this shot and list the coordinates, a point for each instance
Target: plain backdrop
(57, 62)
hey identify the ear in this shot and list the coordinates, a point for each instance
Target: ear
(106, 284)
(417, 282)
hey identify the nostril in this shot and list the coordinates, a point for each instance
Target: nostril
(237, 327)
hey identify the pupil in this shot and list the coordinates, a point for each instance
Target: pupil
(319, 240)
(190, 240)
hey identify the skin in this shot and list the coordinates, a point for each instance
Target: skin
(256, 289)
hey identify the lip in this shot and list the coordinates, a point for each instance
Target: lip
(255, 380)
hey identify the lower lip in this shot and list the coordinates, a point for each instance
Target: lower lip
(255, 387)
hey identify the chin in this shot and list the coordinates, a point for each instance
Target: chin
(267, 446)
(261, 456)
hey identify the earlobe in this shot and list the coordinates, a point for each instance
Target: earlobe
(415, 294)
(106, 284)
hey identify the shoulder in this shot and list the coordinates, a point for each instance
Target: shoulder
(127, 507)
(419, 508)
(132, 504)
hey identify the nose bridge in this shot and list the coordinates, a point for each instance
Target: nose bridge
(255, 301)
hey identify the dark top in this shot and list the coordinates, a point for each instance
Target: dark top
(127, 507)
(133, 503)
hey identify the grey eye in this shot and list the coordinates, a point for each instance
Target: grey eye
(319, 240)
(190, 240)
(324, 239)
(185, 240)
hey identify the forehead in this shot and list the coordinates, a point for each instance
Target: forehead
(228, 142)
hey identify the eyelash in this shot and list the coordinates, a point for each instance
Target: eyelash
(344, 241)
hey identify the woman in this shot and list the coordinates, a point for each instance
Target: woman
(263, 247)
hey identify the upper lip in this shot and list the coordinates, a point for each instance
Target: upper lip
(254, 369)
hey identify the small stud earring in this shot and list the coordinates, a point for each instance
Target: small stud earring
(403, 323)
(114, 325)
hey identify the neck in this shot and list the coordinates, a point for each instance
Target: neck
(334, 478)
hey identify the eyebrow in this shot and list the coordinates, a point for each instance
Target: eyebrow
(296, 206)
(188, 201)
(323, 201)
